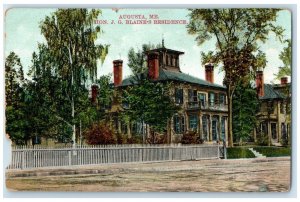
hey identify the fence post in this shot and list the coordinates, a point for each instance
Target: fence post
(23, 160)
(70, 157)
(224, 149)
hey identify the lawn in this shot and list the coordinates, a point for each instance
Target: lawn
(239, 152)
(274, 151)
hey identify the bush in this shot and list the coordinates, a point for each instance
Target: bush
(121, 139)
(135, 139)
(262, 139)
(239, 152)
(100, 133)
(191, 137)
(274, 151)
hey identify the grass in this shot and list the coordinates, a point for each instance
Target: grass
(239, 152)
(273, 151)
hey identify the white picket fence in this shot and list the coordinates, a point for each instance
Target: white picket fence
(24, 157)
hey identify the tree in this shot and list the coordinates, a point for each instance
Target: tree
(246, 105)
(286, 57)
(137, 60)
(16, 122)
(71, 36)
(14, 78)
(237, 33)
(150, 103)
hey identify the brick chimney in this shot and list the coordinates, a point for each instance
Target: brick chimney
(209, 72)
(260, 83)
(153, 66)
(283, 80)
(118, 69)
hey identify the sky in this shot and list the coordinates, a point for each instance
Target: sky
(22, 35)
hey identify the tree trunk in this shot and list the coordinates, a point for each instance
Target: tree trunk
(72, 96)
(229, 125)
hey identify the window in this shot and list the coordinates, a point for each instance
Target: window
(211, 99)
(222, 99)
(173, 61)
(178, 96)
(193, 122)
(264, 128)
(168, 60)
(178, 124)
(205, 127)
(202, 99)
(214, 128)
(193, 95)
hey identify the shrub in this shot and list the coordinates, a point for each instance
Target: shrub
(121, 139)
(274, 151)
(135, 139)
(262, 139)
(100, 133)
(239, 152)
(191, 137)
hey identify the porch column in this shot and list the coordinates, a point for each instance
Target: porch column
(200, 127)
(269, 133)
(279, 115)
(220, 128)
(210, 127)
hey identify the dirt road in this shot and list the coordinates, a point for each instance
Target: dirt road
(250, 175)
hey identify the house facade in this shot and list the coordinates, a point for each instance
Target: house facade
(203, 103)
(274, 115)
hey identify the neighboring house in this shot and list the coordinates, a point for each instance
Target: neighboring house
(274, 114)
(203, 103)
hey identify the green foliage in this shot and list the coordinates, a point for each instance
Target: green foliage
(137, 60)
(239, 152)
(151, 103)
(237, 33)
(274, 151)
(56, 98)
(14, 79)
(16, 116)
(262, 139)
(245, 107)
(286, 57)
(100, 133)
(71, 36)
(105, 93)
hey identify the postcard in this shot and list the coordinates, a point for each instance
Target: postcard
(148, 100)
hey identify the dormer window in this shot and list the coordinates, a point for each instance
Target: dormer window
(173, 61)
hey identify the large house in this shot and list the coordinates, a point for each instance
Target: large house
(274, 114)
(203, 103)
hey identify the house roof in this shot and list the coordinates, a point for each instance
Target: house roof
(165, 75)
(163, 49)
(271, 93)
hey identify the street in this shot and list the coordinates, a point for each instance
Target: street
(237, 175)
